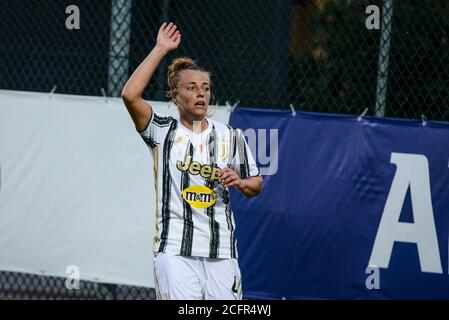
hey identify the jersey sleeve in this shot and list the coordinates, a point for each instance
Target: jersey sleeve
(156, 130)
(244, 164)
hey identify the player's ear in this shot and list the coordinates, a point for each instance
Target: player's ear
(174, 98)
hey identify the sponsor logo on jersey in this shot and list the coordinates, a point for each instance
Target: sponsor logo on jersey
(199, 197)
(205, 170)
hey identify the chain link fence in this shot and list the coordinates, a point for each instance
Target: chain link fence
(315, 55)
(418, 83)
(25, 286)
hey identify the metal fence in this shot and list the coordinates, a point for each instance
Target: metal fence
(25, 286)
(315, 55)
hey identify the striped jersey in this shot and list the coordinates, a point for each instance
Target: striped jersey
(193, 209)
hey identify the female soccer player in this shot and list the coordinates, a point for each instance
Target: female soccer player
(196, 160)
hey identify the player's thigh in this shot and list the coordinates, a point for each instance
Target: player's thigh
(224, 279)
(175, 278)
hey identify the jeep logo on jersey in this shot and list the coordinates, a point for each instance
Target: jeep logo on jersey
(205, 170)
(199, 197)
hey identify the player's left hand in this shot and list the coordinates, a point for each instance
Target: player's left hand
(229, 178)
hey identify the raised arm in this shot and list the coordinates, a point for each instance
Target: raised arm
(140, 111)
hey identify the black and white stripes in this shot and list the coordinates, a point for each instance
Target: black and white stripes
(187, 233)
(214, 226)
(185, 163)
(166, 184)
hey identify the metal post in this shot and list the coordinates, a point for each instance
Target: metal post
(162, 69)
(119, 46)
(384, 53)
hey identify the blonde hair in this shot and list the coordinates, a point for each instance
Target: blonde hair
(174, 73)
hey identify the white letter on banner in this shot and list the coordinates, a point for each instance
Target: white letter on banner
(412, 171)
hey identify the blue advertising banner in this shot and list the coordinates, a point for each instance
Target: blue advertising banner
(351, 208)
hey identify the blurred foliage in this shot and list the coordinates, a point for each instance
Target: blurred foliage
(338, 71)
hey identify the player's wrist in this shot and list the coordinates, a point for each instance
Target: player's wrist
(242, 185)
(161, 49)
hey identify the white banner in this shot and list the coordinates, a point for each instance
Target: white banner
(76, 187)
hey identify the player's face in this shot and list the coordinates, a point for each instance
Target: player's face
(193, 93)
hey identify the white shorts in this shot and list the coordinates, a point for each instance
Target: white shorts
(196, 278)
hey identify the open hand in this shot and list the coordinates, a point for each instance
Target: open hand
(168, 37)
